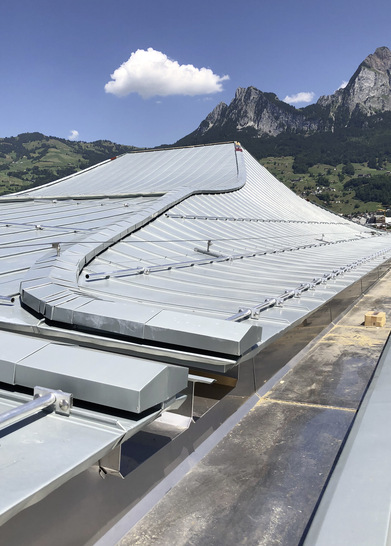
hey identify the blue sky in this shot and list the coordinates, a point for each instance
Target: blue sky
(56, 59)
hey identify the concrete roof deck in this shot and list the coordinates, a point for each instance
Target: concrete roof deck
(262, 481)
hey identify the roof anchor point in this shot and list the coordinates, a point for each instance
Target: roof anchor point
(57, 247)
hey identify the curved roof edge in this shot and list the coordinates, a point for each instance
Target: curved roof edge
(200, 169)
(50, 287)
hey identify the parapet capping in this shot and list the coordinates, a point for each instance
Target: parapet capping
(51, 289)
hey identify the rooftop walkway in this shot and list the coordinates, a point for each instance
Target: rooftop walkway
(261, 483)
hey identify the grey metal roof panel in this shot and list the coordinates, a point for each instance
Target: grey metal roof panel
(243, 281)
(208, 334)
(64, 313)
(14, 348)
(41, 456)
(355, 507)
(260, 228)
(115, 317)
(163, 205)
(151, 323)
(205, 168)
(22, 243)
(115, 381)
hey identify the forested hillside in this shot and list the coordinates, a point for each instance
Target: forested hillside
(348, 170)
(32, 159)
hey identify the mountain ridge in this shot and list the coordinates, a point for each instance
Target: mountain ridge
(263, 114)
(336, 151)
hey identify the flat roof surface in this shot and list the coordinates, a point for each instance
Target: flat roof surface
(356, 507)
(261, 483)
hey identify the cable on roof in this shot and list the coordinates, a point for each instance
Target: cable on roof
(196, 240)
(241, 219)
(254, 312)
(47, 226)
(190, 263)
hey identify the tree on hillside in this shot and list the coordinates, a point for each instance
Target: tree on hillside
(348, 169)
(323, 181)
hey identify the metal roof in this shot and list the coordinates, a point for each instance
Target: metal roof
(217, 237)
(208, 168)
(206, 255)
(45, 453)
(194, 256)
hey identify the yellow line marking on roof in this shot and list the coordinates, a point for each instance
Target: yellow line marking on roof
(302, 404)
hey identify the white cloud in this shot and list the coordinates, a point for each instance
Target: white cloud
(74, 135)
(151, 73)
(303, 96)
(343, 85)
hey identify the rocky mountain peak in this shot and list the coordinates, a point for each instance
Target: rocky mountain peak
(213, 117)
(379, 60)
(261, 114)
(369, 89)
(247, 93)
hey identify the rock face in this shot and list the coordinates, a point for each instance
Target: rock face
(368, 90)
(263, 114)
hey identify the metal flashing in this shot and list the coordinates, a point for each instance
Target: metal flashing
(209, 334)
(125, 342)
(59, 448)
(116, 381)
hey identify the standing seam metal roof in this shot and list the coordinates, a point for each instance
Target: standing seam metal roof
(181, 248)
(258, 232)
